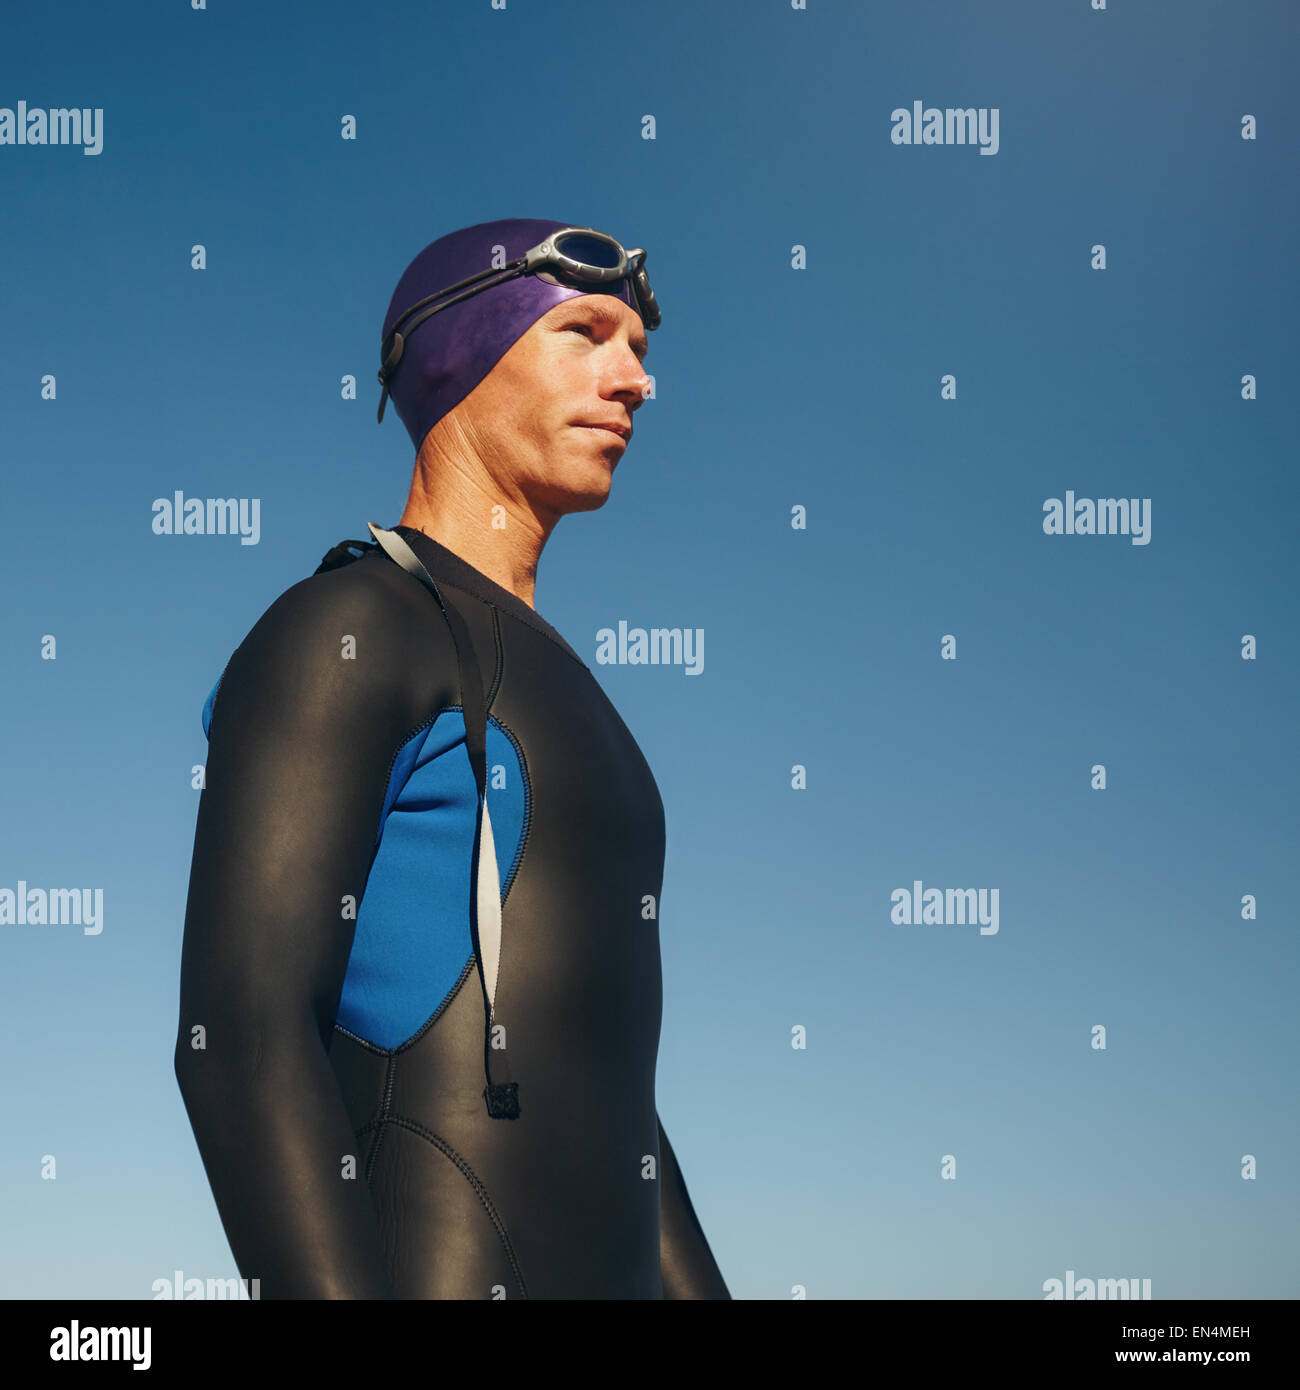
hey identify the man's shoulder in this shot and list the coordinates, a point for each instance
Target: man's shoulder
(367, 596)
(363, 635)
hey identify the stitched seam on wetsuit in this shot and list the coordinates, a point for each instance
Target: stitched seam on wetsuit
(390, 1075)
(497, 676)
(554, 640)
(466, 970)
(373, 1153)
(363, 1042)
(379, 1120)
(528, 810)
(473, 1179)
(499, 656)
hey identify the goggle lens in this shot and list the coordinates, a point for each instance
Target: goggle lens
(589, 250)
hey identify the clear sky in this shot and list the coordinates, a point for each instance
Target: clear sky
(783, 380)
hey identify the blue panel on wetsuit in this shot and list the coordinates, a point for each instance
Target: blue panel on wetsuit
(413, 939)
(412, 936)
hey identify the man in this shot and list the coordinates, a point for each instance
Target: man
(420, 986)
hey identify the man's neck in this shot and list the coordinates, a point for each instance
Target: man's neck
(508, 555)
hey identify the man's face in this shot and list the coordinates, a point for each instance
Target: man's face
(534, 419)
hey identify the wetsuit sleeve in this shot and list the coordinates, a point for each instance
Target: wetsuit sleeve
(300, 745)
(685, 1260)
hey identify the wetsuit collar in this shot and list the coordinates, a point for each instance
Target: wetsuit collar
(447, 566)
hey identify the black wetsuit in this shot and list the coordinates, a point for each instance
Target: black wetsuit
(331, 1049)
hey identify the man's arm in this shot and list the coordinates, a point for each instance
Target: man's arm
(689, 1269)
(300, 744)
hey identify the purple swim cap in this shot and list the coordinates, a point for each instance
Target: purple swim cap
(449, 353)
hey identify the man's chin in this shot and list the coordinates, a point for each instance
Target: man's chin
(588, 499)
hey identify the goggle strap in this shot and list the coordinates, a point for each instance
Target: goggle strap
(460, 284)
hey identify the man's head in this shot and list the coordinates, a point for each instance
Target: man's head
(465, 299)
(501, 376)
(535, 421)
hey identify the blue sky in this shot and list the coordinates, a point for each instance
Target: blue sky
(775, 388)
